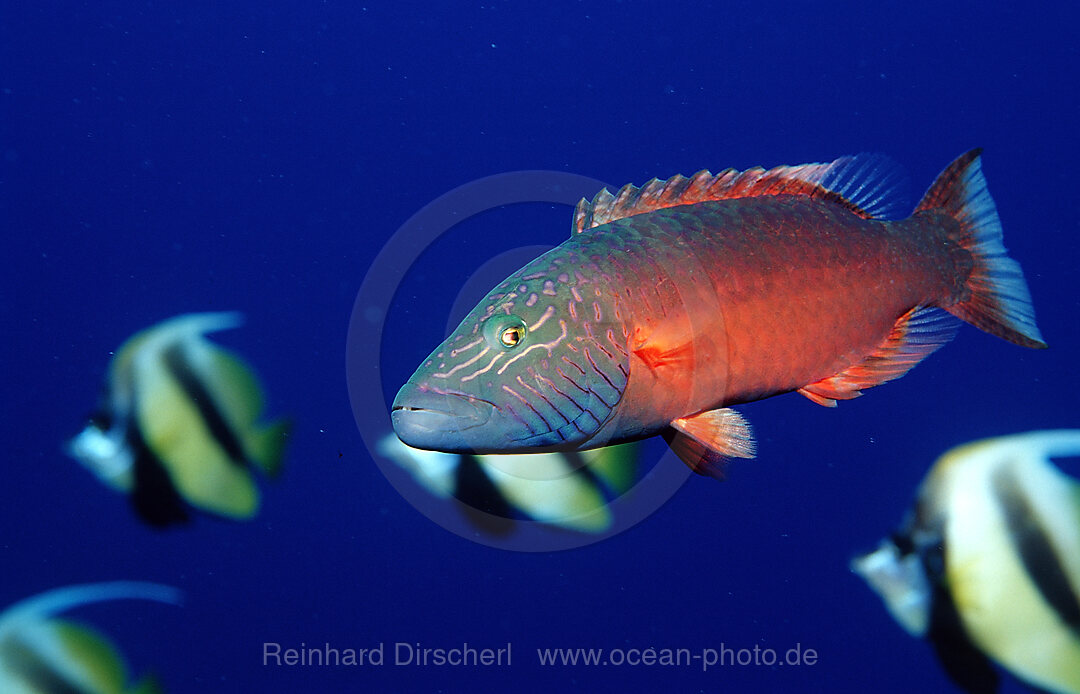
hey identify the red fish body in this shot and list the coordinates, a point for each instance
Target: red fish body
(674, 301)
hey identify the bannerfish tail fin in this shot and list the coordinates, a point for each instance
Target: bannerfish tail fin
(707, 440)
(240, 396)
(999, 301)
(266, 446)
(147, 685)
(615, 466)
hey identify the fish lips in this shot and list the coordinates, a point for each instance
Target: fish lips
(438, 420)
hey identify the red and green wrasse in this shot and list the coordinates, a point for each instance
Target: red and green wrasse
(674, 301)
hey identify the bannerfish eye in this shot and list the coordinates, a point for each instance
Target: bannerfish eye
(505, 331)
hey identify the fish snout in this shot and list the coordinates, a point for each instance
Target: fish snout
(438, 420)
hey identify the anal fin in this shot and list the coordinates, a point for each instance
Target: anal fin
(916, 335)
(811, 392)
(706, 441)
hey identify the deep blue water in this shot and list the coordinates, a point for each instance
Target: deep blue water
(161, 158)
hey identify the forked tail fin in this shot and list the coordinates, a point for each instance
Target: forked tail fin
(999, 300)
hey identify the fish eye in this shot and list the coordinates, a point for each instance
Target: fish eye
(506, 331)
(512, 335)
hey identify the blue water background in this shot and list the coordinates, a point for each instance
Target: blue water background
(161, 158)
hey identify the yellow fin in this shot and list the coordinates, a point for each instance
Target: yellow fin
(48, 651)
(615, 466)
(92, 661)
(234, 385)
(266, 446)
(237, 393)
(147, 685)
(87, 659)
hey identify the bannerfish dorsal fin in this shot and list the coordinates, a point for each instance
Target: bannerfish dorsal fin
(866, 184)
(44, 605)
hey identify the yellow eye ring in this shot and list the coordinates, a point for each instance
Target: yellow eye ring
(505, 331)
(511, 336)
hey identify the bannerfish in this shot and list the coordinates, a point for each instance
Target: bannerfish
(987, 564)
(674, 301)
(43, 654)
(177, 425)
(568, 490)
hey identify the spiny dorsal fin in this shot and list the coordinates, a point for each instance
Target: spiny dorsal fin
(865, 184)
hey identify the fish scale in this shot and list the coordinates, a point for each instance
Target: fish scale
(672, 302)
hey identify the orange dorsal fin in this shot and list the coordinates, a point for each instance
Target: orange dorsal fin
(705, 441)
(865, 184)
(914, 337)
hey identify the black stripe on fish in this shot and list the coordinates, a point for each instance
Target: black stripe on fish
(27, 667)
(1036, 551)
(480, 500)
(576, 462)
(963, 662)
(102, 418)
(967, 666)
(153, 494)
(474, 488)
(178, 366)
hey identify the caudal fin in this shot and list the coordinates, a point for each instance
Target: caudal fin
(268, 446)
(999, 300)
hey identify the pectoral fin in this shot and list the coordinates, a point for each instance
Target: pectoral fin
(656, 357)
(665, 347)
(706, 441)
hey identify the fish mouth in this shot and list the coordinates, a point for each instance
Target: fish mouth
(438, 420)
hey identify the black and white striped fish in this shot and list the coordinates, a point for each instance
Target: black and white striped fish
(987, 564)
(570, 490)
(41, 653)
(178, 427)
